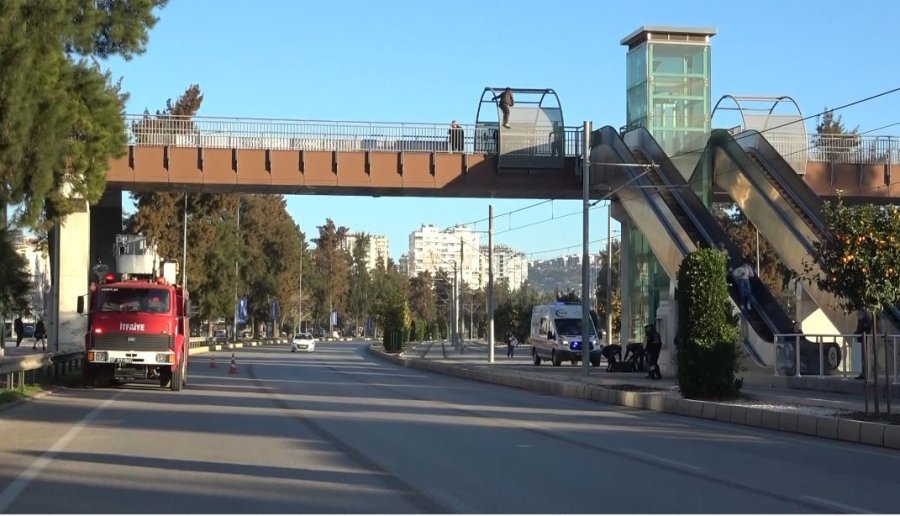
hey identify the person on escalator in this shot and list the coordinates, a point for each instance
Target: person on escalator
(742, 277)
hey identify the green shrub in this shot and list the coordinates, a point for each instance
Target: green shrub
(396, 321)
(707, 339)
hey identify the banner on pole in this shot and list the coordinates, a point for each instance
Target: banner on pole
(242, 311)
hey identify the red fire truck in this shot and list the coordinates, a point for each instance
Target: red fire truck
(138, 323)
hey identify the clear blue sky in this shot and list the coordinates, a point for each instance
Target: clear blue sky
(418, 61)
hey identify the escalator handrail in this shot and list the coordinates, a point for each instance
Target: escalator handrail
(801, 194)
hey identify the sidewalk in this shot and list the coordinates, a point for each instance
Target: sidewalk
(767, 402)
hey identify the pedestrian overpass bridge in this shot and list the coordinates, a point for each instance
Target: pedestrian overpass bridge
(537, 157)
(213, 154)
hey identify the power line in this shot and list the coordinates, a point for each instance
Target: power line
(579, 212)
(571, 246)
(878, 128)
(485, 219)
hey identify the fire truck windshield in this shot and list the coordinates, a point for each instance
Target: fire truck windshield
(115, 299)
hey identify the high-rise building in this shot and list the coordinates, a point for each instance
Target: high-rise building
(509, 264)
(431, 249)
(403, 264)
(376, 251)
(38, 270)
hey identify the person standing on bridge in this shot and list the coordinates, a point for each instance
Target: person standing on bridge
(557, 138)
(457, 137)
(506, 102)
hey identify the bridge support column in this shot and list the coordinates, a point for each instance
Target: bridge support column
(69, 268)
(625, 279)
(106, 223)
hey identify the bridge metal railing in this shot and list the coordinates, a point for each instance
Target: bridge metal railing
(319, 135)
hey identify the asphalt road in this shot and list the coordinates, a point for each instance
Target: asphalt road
(340, 431)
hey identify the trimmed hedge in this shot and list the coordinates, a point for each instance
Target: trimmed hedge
(707, 339)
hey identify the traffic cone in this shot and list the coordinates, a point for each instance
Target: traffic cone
(233, 368)
(212, 361)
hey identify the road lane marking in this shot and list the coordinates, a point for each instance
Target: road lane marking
(446, 499)
(836, 505)
(17, 486)
(654, 458)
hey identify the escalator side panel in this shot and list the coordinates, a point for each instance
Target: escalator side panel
(667, 239)
(803, 195)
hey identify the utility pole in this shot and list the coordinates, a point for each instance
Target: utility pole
(453, 309)
(609, 315)
(236, 272)
(184, 247)
(459, 291)
(490, 291)
(300, 301)
(586, 322)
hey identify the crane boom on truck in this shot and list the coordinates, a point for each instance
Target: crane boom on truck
(138, 320)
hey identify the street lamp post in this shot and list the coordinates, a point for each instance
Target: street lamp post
(585, 256)
(236, 272)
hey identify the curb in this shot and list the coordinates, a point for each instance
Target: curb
(848, 430)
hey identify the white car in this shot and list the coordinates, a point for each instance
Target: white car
(303, 342)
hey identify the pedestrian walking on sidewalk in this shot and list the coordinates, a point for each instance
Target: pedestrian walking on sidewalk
(40, 335)
(653, 346)
(511, 344)
(19, 328)
(863, 328)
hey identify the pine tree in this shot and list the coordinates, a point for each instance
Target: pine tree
(833, 140)
(61, 114)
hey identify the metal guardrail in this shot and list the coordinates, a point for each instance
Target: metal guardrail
(318, 135)
(17, 371)
(845, 343)
(21, 370)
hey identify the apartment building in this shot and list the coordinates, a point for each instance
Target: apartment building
(376, 251)
(38, 271)
(509, 264)
(431, 249)
(403, 264)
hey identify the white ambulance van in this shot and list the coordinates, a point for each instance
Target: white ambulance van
(556, 335)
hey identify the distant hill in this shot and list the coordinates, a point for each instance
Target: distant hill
(562, 273)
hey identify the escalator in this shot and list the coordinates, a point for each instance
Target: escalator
(769, 198)
(767, 317)
(797, 195)
(666, 237)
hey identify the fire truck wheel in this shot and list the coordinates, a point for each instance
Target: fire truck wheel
(88, 377)
(165, 377)
(177, 378)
